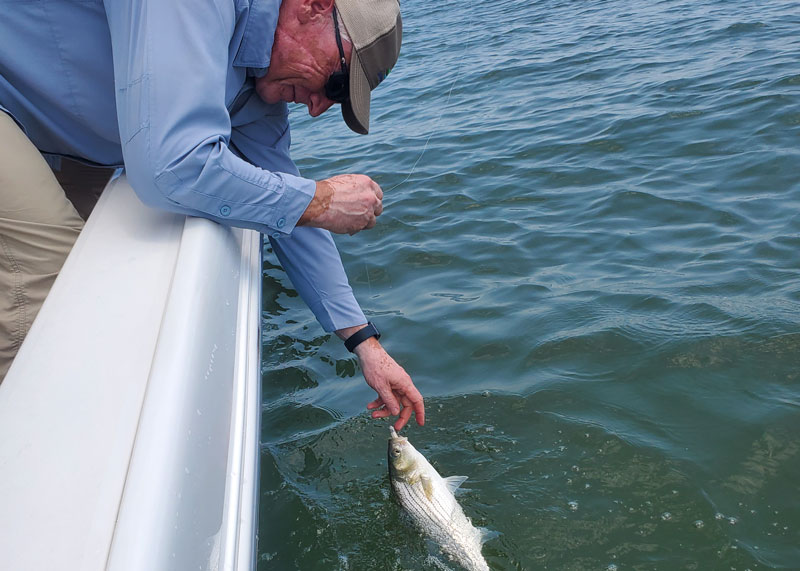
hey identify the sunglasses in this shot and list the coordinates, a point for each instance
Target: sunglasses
(337, 88)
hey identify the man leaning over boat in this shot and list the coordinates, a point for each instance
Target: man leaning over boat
(190, 96)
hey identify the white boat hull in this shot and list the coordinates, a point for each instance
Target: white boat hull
(129, 421)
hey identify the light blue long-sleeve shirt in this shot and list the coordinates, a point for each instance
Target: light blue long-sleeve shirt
(166, 88)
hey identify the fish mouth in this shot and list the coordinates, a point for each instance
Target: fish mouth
(396, 438)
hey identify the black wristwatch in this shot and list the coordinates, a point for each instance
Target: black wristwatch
(362, 335)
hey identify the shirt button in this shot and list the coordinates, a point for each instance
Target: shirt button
(281, 222)
(225, 210)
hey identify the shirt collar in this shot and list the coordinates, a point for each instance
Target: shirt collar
(261, 20)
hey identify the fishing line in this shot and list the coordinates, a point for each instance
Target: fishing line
(444, 108)
(458, 76)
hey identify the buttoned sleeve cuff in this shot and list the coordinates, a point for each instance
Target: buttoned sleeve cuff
(269, 202)
(298, 192)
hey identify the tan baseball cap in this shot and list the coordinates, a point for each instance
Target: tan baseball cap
(376, 32)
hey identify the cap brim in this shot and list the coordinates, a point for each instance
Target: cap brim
(356, 111)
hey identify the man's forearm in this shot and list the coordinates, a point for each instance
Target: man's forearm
(346, 332)
(318, 205)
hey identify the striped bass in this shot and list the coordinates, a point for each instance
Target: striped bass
(428, 498)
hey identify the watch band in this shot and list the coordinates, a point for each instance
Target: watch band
(362, 335)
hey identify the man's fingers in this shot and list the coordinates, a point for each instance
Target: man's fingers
(390, 402)
(379, 194)
(418, 403)
(411, 403)
(345, 204)
(405, 414)
(402, 421)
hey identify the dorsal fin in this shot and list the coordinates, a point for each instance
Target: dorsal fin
(487, 534)
(454, 482)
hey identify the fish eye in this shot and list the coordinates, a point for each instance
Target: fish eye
(395, 451)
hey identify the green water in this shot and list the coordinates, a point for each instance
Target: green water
(588, 262)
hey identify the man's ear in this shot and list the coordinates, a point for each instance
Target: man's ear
(319, 7)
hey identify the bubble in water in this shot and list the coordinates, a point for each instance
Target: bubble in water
(699, 524)
(718, 516)
(733, 520)
(666, 516)
(611, 567)
(573, 505)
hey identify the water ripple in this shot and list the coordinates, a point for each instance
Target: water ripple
(588, 263)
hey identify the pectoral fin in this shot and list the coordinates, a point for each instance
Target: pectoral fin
(427, 486)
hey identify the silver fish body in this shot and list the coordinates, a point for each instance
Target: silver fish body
(428, 498)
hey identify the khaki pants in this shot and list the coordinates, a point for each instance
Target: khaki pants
(41, 215)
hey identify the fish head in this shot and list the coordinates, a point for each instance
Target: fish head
(401, 452)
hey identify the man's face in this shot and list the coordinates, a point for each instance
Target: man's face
(304, 55)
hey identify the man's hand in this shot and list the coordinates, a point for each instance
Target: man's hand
(344, 204)
(397, 394)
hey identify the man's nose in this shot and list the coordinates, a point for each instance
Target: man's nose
(318, 104)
